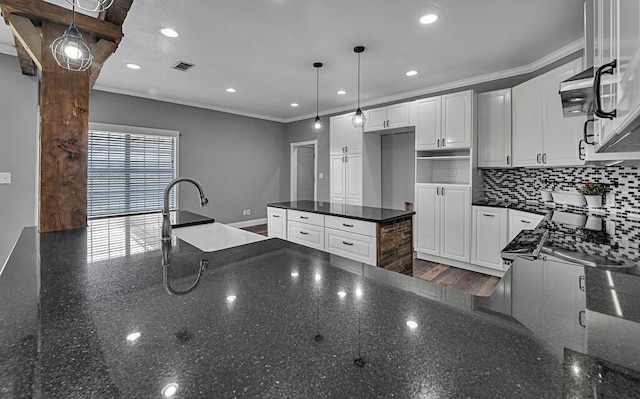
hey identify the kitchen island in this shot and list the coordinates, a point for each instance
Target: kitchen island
(87, 313)
(376, 236)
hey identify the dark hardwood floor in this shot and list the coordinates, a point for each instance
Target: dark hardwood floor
(448, 276)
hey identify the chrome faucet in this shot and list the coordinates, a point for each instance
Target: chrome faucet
(166, 220)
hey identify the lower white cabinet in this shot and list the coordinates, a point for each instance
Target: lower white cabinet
(346, 179)
(351, 245)
(277, 222)
(444, 220)
(519, 221)
(489, 236)
(306, 234)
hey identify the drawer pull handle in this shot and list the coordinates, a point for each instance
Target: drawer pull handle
(581, 319)
(489, 215)
(304, 217)
(304, 233)
(581, 283)
(525, 221)
(276, 216)
(347, 225)
(347, 243)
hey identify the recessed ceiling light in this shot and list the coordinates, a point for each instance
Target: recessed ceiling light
(294, 274)
(133, 66)
(168, 32)
(412, 324)
(231, 90)
(342, 92)
(231, 298)
(428, 19)
(411, 73)
(169, 390)
(342, 294)
(295, 105)
(133, 336)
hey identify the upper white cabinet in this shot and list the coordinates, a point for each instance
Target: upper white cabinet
(617, 51)
(494, 129)
(489, 236)
(444, 220)
(343, 137)
(445, 122)
(541, 134)
(389, 117)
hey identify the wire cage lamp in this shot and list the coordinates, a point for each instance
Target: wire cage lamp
(358, 119)
(70, 51)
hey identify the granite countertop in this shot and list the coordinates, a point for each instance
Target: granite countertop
(366, 213)
(594, 233)
(88, 313)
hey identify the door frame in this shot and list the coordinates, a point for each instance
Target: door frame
(294, 168)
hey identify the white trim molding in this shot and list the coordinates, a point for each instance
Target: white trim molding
(293, 171)
(247, 223)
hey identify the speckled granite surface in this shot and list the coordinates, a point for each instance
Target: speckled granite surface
(367, 213)
(108, 327)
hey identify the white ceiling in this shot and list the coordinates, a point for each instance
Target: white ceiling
(266, 48)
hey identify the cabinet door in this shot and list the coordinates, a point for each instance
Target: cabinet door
(353, 179)
(336, 171)
(526, 293)
(428, 216)
(560, 135)
(428, 125)
(376, 119)
(604, 52)
(455, 225)
(277, 222)
(353, 136)
(494, 129)
(519, 221)
(628, 67)
(398, 115)
(489, 236)
(337, 135)
(457, 119)
(527, 123)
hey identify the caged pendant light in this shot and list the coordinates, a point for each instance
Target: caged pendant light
(91, 5)
(70, 51)
(358, 119)
(317, 123)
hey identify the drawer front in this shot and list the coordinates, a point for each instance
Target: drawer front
(353, 246)
(351, 225)
(306, 234)
(277, 222)
(306, 217)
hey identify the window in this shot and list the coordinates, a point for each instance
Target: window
(128, 169)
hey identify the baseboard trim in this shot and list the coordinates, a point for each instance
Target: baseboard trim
(461, 265)
(248, 223)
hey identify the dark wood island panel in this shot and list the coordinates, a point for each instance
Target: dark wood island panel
(395, 245)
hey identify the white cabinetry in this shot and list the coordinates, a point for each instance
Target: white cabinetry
(541, 134)
(343, 137)
(489, 236)
(445, 122)
(346, 179)
(494, 129)
(277, 222)
(444, 220)
(519, 221)
(353, 239)
(389, 117)
(306, 228)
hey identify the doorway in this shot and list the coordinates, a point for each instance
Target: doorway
(304, 166)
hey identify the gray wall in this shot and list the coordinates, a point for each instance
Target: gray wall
(18, 150)
(241, 162)
(398, 169)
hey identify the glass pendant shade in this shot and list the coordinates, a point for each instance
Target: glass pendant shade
(71, 52)
(91, 5)
(358, 119)
(317, 125)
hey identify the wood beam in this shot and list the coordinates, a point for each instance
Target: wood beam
(101, 52)
(117, 13)
(42, 10)
(64, 130)
(26, 63)
(28, 36)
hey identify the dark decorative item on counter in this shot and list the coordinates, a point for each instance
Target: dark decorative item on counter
(593, 193)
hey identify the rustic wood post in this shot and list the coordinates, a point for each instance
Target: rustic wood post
(64, 127)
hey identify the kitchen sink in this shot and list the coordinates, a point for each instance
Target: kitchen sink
(212, 237)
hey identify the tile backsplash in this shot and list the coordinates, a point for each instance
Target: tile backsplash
(523, 184)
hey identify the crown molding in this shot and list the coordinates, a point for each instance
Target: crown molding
(185, 102)
(534, 66)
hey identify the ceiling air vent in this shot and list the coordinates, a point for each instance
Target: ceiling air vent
(183, 66)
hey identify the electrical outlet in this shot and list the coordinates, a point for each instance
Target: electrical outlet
(320, 175)
(610, 199)
(248, 211)
(5, 178)
(244, 212)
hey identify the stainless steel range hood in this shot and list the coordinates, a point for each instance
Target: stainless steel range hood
(577, 94)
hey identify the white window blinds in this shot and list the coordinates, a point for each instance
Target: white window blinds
(127, 172)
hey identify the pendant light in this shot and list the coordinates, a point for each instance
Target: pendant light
(317, 123)
(91, 5)
(70, 51)
(358, 119)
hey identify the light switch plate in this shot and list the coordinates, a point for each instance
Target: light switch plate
(5, 177)
(320, 175)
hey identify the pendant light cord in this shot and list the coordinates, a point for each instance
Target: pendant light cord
(358, 80)
(73, 17)
(317, 90)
